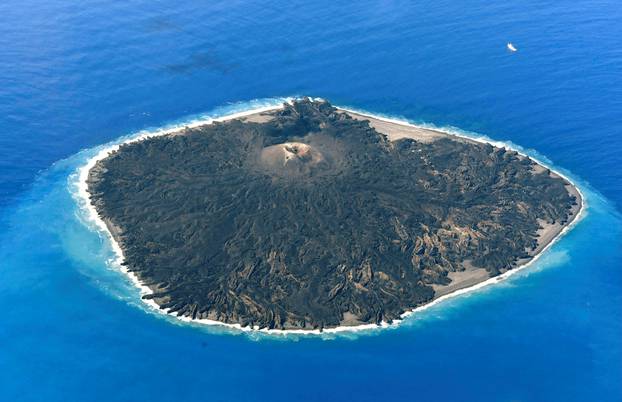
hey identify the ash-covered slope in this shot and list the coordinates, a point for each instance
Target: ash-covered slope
(313, 219)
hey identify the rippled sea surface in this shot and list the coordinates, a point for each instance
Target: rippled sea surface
(74, 76)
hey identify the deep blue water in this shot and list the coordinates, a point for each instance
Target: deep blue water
(74, 76)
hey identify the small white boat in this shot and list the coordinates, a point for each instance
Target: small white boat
(511, 47)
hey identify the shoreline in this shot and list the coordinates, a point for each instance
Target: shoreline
(92, 215)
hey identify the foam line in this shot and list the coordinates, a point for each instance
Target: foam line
(84, 202)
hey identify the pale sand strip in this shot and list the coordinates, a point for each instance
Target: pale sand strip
(395, 129)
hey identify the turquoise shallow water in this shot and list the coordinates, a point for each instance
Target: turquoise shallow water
(73, 78)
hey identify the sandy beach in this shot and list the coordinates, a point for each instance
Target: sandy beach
(462, 281)
(472, 276)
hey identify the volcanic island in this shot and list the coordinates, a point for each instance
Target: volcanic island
(309, 217)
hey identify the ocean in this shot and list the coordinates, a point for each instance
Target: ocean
(75, 77)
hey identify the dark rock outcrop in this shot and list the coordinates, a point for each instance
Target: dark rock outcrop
(311, 216)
